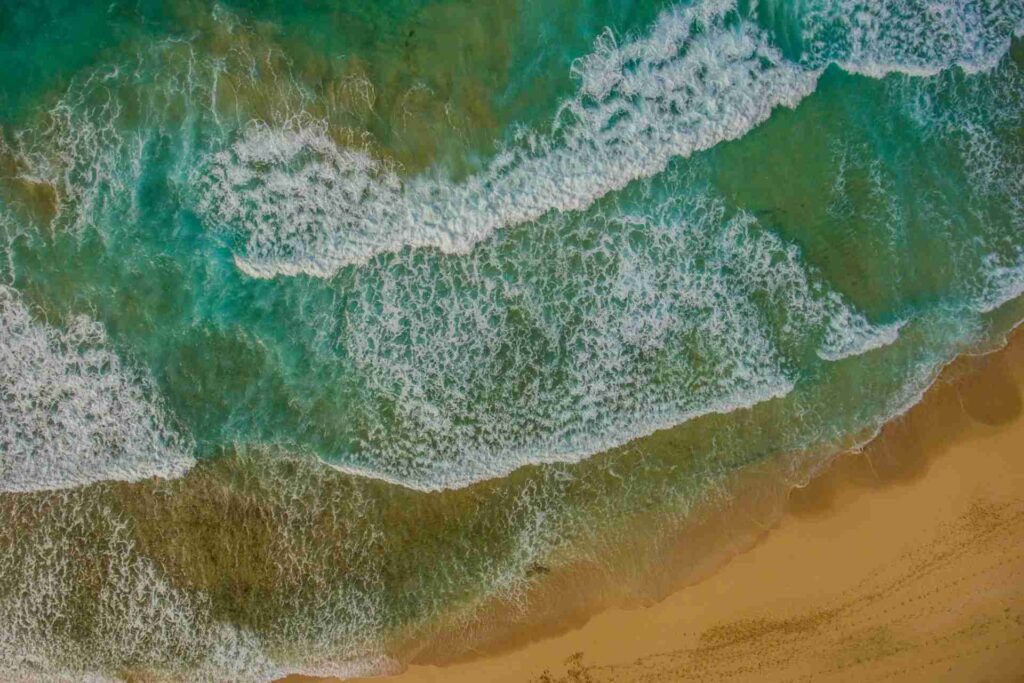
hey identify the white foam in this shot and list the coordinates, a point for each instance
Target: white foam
(979, 119)
(82, 602)
(80, 153)
(914, 37)
(136, 617)
(700, 77)
(71, 412)
(304, 205)
(850, 334)
(1002, 283)
(468, 377)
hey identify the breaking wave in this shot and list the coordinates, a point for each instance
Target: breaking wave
(71, 412)
(703, 74)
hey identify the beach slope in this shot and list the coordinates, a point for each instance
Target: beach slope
(902, 562)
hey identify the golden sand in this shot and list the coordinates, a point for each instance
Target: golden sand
(904, 562)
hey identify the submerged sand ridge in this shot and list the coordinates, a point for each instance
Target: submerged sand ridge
(901, 562)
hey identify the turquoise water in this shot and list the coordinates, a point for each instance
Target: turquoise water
(408, 304)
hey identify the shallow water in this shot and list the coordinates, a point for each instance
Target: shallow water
(409, 304)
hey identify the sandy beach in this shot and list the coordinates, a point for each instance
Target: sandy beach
(902, 562)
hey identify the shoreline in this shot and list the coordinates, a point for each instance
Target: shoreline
(915, 496)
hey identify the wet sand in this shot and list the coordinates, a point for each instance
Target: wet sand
(901, 562)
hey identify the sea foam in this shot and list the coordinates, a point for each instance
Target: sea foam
(299, 202)
(913, 37)
(72, 412)
(467, 376)
(305, 205)
(701, 76)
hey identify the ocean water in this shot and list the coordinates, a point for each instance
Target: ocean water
(333, 333)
